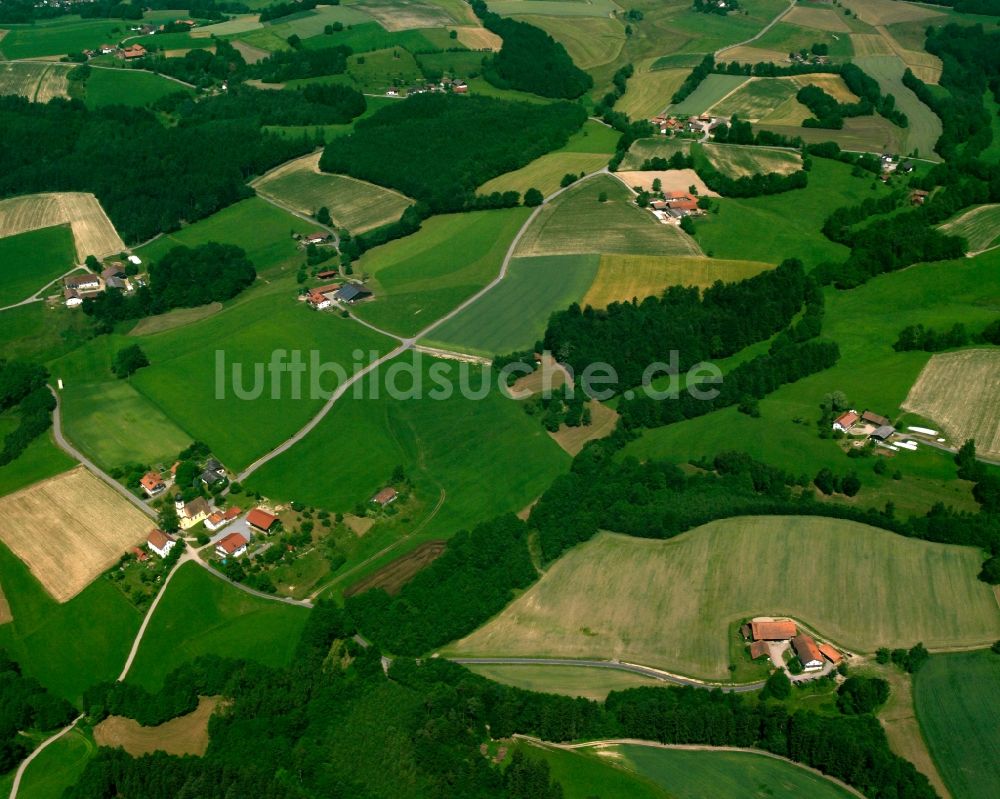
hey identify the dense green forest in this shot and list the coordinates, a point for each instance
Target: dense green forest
(23, 390)
(25, 706)
(148, 177)
(529, 59)
(317, 104)
(183, 278)
(437, 148)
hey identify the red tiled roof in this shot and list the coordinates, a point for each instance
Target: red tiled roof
(158, 538)
(150, 481)
(759, 649)
(773, 630)
(845, 420)
(232, 542)
(327, 289)
(805, 648)
(683, 205)
(261, 519)
(385, 496)
(830, 653)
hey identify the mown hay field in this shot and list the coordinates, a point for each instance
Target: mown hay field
(737, 161)
(577, 222)
(824, 19)
(887, 12)
(747, 54)
(645, 149)
(183, 735)
(399, 15)
(711, 91)
(961, 392)
(478, 38)
(676, 180)
(956, 694)
(979, 226)
(620, 278)
(554, 8)
(924, 125)
(353, 204)
(649, 91)
(870, 44)
(669, 603)
(38, 82)
(590, 41)
(546, 173)
(513, 315)
(770, 99)
(69, 529)
(92, 230)
(582, 681)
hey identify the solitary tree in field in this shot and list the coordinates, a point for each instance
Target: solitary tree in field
(533, 197)
(128, 361)
(323, 216)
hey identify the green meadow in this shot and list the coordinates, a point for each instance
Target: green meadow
(870, 373)
(203, 615)
(709, 92)
(419, 278)
(584, 775)
(68, 647)
(131, 87)
(483, 457)
(32, 260)
(957, 699)
(59, 36)
(787, 225)
(513, 315)
(58, 766)
(40, 460)
(694, 775)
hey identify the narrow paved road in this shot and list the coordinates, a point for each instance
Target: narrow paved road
(37, 751)
(688, 748)
(34, 297)
(761, 32)
(73, 452)
(616, 665)
(407, 343)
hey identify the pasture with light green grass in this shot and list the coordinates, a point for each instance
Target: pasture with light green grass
(32, 260)
(513, 315)
(756, 99)
(553, 8)
(353, 204)
(265, 232)
(924, 125)
(504, 462)
(711, 91)
(590, 41)
(957, 699)
(871, 134)
(380, 69)
(201, 614)
(870, 373)
(577, 222)
(645, 149)
(694, 775)
(67, 647)
(851, 583)
(786, 38)
(979, 226)
(114, 424)
(589, 683)
(710, 32)
(131, 87)
(363, 38)
(786, 225)
(583, 775)
(58, 766)
(40, 460)
(420, 278)
(185, 383)
(649, 92)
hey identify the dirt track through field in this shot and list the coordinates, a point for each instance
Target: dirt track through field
(393, 576)
(184, 735)
(69, 529)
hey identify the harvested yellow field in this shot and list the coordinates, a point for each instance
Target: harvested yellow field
(649, 92)
(738, 161)
(822, 19)
(745, 54)
(478, 38)
(184, 735)
(870, 44)
(832, 84)
(886, 12)
(5, 614)
(670, 603)
(69, 529)
(353, 204)
(92, 230)
(960, 391)
(602, 421)
(38, 82)
(670, 180)
(620, 278)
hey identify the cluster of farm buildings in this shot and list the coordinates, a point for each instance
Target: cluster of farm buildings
(133, 52)
(452, 85)
(770, 637)
(77, 288)
(675, 205)
(667, 125)
(874, 427)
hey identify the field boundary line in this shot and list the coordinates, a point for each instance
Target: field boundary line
(688, 748)
(761, 32)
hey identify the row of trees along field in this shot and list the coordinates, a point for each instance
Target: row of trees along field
(529, 59)
(183, 278)
(340, 726)
(150, 177)
(23, 392)
(427, 165)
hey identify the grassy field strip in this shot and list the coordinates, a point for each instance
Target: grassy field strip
(649, 91)
(957, 699)
(887, 12)
(980, 227)
(353, 204)
(545, 173)
(553, 8)
(925, 66)
(33, 260)
(590, 41)
(961, 392)
(644, 149)
(578, 222)
(608, 598)
(620, 278)
(925, 126)
(92, 230)
(711, 91)
(824, 19)
(58, 766)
